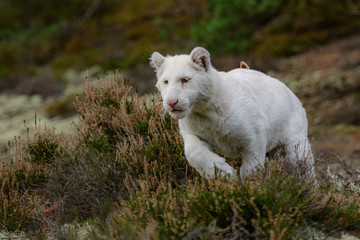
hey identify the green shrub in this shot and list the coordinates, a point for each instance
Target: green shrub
(275, 28)
(232, 23)
(305, 24)
(43, 150)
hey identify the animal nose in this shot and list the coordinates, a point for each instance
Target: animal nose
(172, 104)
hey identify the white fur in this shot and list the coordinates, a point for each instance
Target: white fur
(241, 113)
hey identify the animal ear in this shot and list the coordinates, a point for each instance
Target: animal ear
(244, 65)
(156, 60)
(201, 57)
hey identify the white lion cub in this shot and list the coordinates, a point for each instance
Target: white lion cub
(241, 113)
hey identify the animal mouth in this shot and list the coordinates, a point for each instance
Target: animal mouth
(177, 111)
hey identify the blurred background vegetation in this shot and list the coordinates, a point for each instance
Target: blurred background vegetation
(46, 47)
(77, 34)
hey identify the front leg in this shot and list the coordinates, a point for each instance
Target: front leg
(253, 158)
(200, 156)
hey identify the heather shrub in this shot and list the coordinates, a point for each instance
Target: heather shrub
(272, 205)
(86, 182)
(13, 212)
(25, 211)
(123, 143)
(22, 172)
(44, 147)
(124, 173)
(133, 129)
(17, 172)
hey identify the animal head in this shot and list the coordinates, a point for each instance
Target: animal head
(184, 81)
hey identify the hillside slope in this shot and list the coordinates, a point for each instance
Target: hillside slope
(327, 80)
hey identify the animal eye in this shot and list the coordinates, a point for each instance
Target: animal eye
(185, 80)
(166, 81)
